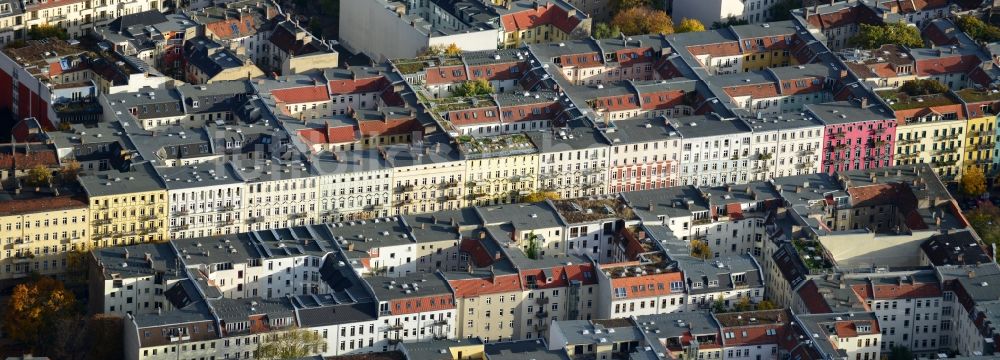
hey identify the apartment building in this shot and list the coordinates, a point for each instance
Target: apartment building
(126, 207)
(573, 162)
(280, 193)
(637, 288)
(499, 169)
(353, 185)
(639, 157)
(41, 229)
(205, 199)
(855, 136)
(135, 279)
(427, 177)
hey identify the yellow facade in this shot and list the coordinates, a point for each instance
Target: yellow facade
(938, 143)
(131, 218)
(756, 61)
(979, 143)
(536, 35)
(39, 239)
(500, 180)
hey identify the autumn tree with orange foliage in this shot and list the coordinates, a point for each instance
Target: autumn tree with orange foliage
(34, 310)
(643, 20)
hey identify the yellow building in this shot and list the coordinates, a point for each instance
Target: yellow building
(760, 60)
(981, 128)
(38, 231)
(484, 306)
(979, 142)
(499, 169)
(527, 22)
(937, 142)
(425, 179)
(126, 207)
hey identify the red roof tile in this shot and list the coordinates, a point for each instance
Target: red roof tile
(465, 288)
(303, 94)
(40, 204)
(232, 28)
(548, 14)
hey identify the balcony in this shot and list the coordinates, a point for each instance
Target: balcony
(541, 300)
(227, 208)
(394, 327)
(942, 163)
(450, 184)
(182, 212)
(405, 188)
(704, 221)
(947, 137)
(102, 221)
(542, 314)
(541, 326)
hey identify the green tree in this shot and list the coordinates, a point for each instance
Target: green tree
(606, 31)
(621, 5)
(68, 172)
(977, 29)
(38, 176)
(719, 306)
(766, 305)
(47, 32)
(923, 87)
(540, 196)
(730, 21)
(783, 10)
(473, 88)
(700, 249)
(900, 353)
(744, 304)
(689, 25)
(532, 247)
(290, 344)
(452, 50)
(985, 219)
(643, 20)
(973, 182)
(35, 309)
(900, 33)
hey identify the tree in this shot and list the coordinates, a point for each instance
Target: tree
(985, 219)
(643, 20)
(69, 171)
(719, 306)
(38, 176)
(977, 29)
(700, 249)
(766, 305)
(621, 5)
(923, 87)
(47, 32)
(452, 50)
(531, 248)
(540, 196)
(689, 25)
(290, 344)
(34, 310)
(473, 88)
(606, 31)
(744, 304)
(106, 330)
(973, 182)
(900, 353)
(730, 21)
(783, 10)
(874, 36)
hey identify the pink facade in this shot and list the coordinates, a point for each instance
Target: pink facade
(858, 145)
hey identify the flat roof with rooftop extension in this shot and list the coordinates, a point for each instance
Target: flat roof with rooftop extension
(576, 211)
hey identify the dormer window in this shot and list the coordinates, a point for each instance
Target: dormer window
(696, 285)
(713, 283)
(194, 103)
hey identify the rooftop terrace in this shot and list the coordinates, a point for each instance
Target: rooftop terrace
(586, 210)
(902, 101)
(495, 146)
